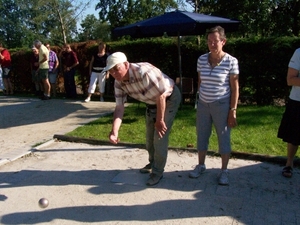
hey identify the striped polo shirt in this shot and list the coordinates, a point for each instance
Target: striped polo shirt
(215, 81)
(145, 83)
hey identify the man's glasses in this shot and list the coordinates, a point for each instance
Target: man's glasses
(115, 69)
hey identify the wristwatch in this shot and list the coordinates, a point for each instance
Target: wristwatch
(233, 109)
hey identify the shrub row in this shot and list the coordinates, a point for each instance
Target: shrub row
(263, 62)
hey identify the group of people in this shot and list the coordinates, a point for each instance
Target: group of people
(218, 88)
(45, 64)
(44, 69)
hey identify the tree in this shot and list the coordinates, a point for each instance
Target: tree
(286, 16)
(93, 29)
(258, 17)
(13, 32)
(123, 12)
(58, 18)
(22, 21)
(88, 28)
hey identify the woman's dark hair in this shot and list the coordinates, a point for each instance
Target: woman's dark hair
(217, 29)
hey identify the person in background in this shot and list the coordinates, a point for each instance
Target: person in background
(69, 61)
(289, 129)
(5, 62)
(97, 64)
(1, 80)
(218, 88)
(43, 68)
(148, 84)
(53, 65)
(34, 65)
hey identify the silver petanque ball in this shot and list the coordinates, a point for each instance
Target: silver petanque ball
(43, 202)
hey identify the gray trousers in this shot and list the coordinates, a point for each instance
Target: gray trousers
(158, 147)
(213, 113)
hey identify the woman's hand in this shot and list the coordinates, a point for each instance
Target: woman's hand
(232, 118)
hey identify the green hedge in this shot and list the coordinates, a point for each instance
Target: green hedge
(263, 62)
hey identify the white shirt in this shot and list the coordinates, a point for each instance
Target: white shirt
(295, 64)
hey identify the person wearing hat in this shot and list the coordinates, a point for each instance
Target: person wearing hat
(146, 83)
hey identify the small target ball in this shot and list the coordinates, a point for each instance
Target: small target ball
(43, 202)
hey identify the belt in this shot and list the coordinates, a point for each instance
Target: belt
(154, 106)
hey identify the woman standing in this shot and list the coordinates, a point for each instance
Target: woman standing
(97, 64)
(289, 130)
(218, 97)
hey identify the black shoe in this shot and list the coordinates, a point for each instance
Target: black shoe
(146, 169)
(154, 179)
(45, 97)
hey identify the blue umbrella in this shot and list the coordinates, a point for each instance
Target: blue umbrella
(176, 23)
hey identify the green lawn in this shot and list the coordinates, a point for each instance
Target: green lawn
(256, 131)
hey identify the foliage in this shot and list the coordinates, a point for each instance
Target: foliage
(123, 12)
(93, 29)
(23, 21)
(12, 26)
(258, 17)
(55, 21)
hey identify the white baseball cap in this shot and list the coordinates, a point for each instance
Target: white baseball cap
(114, 59)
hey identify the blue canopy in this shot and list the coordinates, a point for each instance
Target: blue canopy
(175, 23)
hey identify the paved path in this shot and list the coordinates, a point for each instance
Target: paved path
(100, 184)
(26, 122)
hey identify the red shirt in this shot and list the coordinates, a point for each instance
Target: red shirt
(69, 58)
(6, 62)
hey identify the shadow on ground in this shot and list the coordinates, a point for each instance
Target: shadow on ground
(254, 191)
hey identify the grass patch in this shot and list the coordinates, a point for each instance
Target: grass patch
(256, 131)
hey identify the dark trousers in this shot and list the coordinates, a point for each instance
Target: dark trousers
(158, 147)
(69, 83)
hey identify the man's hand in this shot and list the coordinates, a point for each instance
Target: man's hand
(161, 128)
(113, 138)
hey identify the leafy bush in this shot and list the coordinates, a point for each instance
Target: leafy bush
(263, 62)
